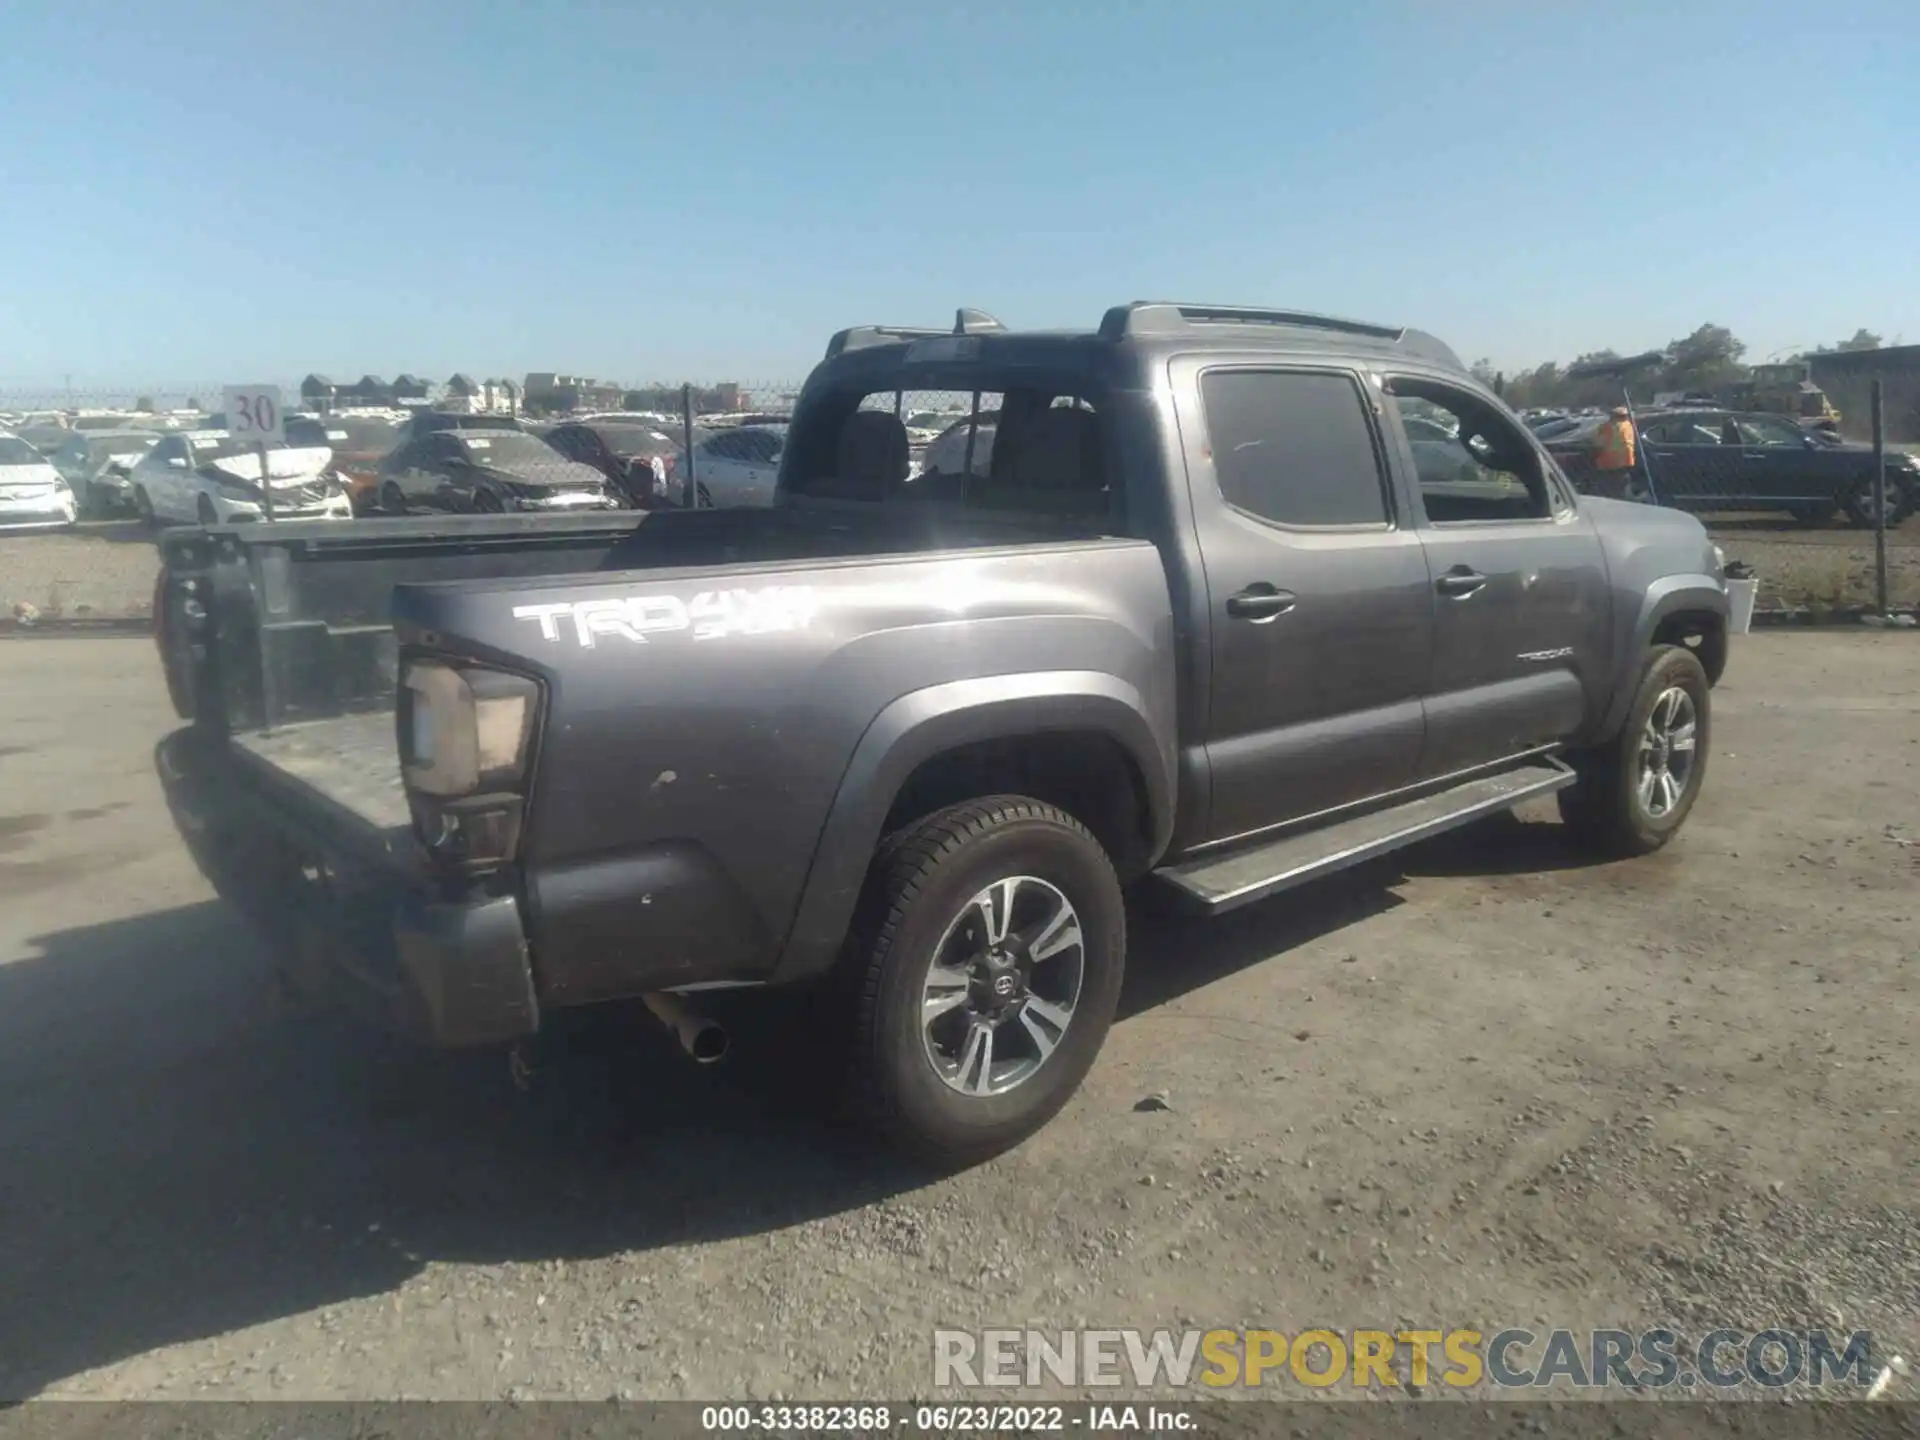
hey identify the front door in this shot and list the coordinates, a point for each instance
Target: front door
(1785, 465)
(1319, 615)
(1522, 641)
(1690, 466)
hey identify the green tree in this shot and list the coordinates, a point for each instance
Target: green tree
(1707, 359)
(1863, 339)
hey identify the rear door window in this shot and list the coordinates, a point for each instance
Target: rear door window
(1295, 448)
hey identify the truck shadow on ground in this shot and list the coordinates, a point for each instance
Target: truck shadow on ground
(186, 1155)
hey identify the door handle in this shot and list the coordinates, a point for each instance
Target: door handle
(1460, 582)
(1261, 603)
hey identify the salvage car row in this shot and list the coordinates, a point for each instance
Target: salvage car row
(339, 466)
(1694, 458)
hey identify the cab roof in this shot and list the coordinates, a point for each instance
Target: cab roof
(1160, 325)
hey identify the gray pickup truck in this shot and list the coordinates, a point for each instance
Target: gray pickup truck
(1234, 598)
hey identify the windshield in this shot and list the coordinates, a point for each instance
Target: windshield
(123, 445)
(15, 451)
(207, 449)
(358, 435)
(629, 441)
(510, 451)
(302, 430)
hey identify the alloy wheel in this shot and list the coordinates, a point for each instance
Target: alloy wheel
(1666, 754)
(1000, 991)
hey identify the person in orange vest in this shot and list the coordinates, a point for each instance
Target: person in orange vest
(1615, 450)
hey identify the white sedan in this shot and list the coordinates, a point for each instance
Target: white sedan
(204, 477)
(33, 495)
(735, 467)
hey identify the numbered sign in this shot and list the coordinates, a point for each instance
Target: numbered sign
(253, 414)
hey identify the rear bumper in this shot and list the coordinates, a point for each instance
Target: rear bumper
(349, 913)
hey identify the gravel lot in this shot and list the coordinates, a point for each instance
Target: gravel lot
(97, 571)
(1828, 566)
(1486, 1084)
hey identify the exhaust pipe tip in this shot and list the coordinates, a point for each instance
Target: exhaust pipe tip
(707, 1045)
(704, 1041)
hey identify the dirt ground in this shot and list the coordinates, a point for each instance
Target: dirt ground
(1486, 1084)
(1827, 565)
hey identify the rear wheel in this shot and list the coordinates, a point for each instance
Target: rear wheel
(393, 500)
(989, 949)
(1634, 794)
(1860, 506)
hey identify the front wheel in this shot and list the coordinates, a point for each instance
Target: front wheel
(990, 945)
(1635, 793)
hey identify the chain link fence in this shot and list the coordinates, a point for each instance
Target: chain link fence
(1797, 508)
(1808, 513)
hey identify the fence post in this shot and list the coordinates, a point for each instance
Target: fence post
(686, 425)
(1880, 494)
(1639, 446)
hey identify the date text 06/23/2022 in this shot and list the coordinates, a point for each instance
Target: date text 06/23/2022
(956, 1419)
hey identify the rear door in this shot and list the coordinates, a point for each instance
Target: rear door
(1320, 614)
(1521, 634)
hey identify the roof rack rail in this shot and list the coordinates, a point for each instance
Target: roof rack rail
(1167, 317)
(966, 321)
(859, 337)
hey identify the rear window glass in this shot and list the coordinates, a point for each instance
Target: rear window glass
(1033, 448)
(1295, 447)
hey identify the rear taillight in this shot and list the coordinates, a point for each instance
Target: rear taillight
(465, 736)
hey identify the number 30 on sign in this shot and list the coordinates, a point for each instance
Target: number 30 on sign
(253, 414)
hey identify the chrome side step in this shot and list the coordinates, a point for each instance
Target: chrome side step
(1218, 883)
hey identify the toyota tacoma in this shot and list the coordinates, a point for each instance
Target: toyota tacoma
(1234, 598)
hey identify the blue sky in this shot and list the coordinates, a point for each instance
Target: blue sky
(198, 191)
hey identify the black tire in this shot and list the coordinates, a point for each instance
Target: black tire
(1860, 507)
(205, 511)
(487, 501)
(392, 499)
(919, 890)
(1605, 808)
